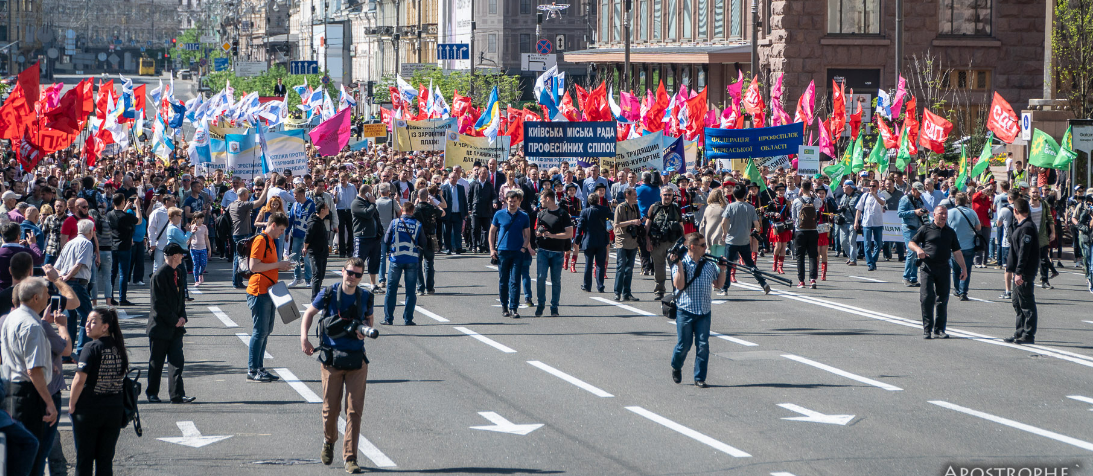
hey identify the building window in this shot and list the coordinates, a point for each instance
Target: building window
(719, 19)
(671, 13)
(525, 43)
(491, 43)
(493, 7)
(966, 17)
(525, 7)
(559, 42)
(656, 19)
(687, 19)
(703, 11)
(643, 22)
(857, 17)
(736, 30)
(974, 80)
(605, 20)
(616, 24)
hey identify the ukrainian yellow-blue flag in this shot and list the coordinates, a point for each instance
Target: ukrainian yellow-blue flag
(490, 120)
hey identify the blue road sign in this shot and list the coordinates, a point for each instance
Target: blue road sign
(220, 64)
(304, 67)
(192, 46)
(453, 51)
(544, 47)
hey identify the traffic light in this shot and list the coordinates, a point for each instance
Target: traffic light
(174, 41)
(235, 47)
(167, 56)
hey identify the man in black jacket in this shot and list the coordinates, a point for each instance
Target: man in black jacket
(482, 197)
(1023, 261)
(317, 239)
(165, 327)
(367, 231)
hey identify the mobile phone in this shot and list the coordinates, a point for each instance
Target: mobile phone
(55, 303)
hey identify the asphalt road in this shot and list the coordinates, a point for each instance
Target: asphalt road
(849, 354)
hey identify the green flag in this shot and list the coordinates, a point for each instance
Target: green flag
(1044, 149)
(752, 172)
(857, 161)
(878, 154)
(984, 159)
(834, 171)
(1066, 152)
(903, 156)
(963, 168)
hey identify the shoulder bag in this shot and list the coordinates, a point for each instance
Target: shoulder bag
(977, 241)
(668, 306)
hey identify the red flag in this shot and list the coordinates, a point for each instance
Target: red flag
(567, 109)
(696, 114)
(139, 100)
(838, 109)
(595, 105)
(515, 127)
(1002, 120)
(935, 130)
(106, 95)
(910, 126)
(460, 105)
(28, 80)
(652, 120)
(396, 98)
(582, 96)
(622, 131)
(13, 115)
(753, 103)
(66, 115)
(385, 117)
(332, 135)
(855, 122)
(422, 101)
(890, 141)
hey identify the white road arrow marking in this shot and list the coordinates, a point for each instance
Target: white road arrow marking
(191, 437)
(1081, 399)
(500, 424)
(815, 416)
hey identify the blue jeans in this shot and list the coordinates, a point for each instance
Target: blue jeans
(301, 263)
(508, 282)
(525, 277)
(261, 315)
(48, 440)
(548, 261)
(383, 261)
(910, 264)
(395, 272)
(22, 446)
(961, 286)
(102, 276)
(426, 272)
(76, 326)
(237, 280)
(874, 239)
(849, 241)
(993, 252)
(694, 327)
(624, 270)
(279, 243)
(1003, 256)
(453, 231)
(124, 262)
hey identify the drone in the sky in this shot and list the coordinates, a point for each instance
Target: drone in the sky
(553, 9)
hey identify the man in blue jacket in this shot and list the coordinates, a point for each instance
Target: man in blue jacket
(405, 240)
(593, 228)
(912, 210)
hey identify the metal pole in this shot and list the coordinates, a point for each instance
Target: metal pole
(899, 39)
(472, 48)
(395, 38)
(419, 31)
(626, 52)
(754, 37)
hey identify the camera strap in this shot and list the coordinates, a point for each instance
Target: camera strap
(700, 266)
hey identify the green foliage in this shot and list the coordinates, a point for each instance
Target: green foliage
(1072, 51)
(265, 82)
(508, 87)
(193, 35)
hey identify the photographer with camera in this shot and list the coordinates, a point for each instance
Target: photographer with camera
(694, 277)
(347, 320)
(912, 211)
(663, 227)
(629, 230)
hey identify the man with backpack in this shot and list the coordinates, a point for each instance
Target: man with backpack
(405, 240)
(806, 237)
(429, 216)
(262, 268)
(342, 354)
(664, 228)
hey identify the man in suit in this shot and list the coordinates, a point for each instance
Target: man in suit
(166, 327)
(455, 197)
(496, 178)
(483, 196)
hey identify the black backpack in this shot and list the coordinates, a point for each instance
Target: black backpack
(223, 224)
(130, 392)
(242, 252)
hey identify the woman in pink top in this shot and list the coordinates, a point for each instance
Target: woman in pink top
(199, 246)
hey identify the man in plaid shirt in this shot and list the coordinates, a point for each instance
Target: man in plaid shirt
(694, 277)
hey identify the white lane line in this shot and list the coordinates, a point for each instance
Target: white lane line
(246, 341)
(1081, 399)
(868, 381)
(490, 266)
(429, 314)
(699, 437)
(733, 339)
(521, 306)
(122, 314)
(624, 306)
(195, 291)
(571, 379)
(1088, 322)
(868, 279)
(486, 340)
(980, 300)
(718, 301)
(782, 473)
(1085, 445)
(228, 322)
(917, 324)
(369, 450)
(297, 385)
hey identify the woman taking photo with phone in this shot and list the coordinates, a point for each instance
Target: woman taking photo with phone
(96, 404)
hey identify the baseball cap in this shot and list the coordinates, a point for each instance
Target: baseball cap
(1077, 187)
(1022, 184)
(918, 186)
(864, 173)
(848, 182)
(173, 249)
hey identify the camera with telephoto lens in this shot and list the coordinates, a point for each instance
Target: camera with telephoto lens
(365, 330)
(677, 250)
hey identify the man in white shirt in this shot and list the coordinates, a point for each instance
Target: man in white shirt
(157, 228)
(344, 193)
(870, 219)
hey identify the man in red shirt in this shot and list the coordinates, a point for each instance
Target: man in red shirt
(983, 204)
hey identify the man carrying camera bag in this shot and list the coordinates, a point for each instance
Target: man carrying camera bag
(694, 277)
(346, 321)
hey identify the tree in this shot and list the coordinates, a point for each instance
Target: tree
(932, 84)
(1072, 51)
(265, 82)
(193, 35)
(508, 86)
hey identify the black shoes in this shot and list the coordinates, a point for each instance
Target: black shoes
(554, 313)
(964, 297)
(1019, 340)
(538, 312)
(154, 399)
(506, 313)
(941, 335)
(766, 289)
(630, 297)
(411, 323)
(515, 314)
(701, 384)
(183, 399)
(677, 375)
(927, 336)
(587, 290)
(125, 302)
(599, 290)
(386, 323)
(618, 297)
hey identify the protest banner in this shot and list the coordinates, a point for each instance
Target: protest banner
(373, 130)
(464, 150)
(569, 139)
(286, 150)
(774, 162)
(645, 152)
(244, 155)
(427, 135)
(892, 230)
(753, 143)
(690, 152)
(808, 160)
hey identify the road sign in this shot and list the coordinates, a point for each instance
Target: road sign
(408, 69)
(192, 46)
(304, 67)
(207, 39)
(249, 68)
(453, 51)
(220, 64)
(1026, 126)
(544, 47)
(142, 49)
(101, 56)
(201, 62)
(537, 62)
(226, 46)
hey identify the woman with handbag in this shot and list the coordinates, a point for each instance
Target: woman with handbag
(96, 403)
